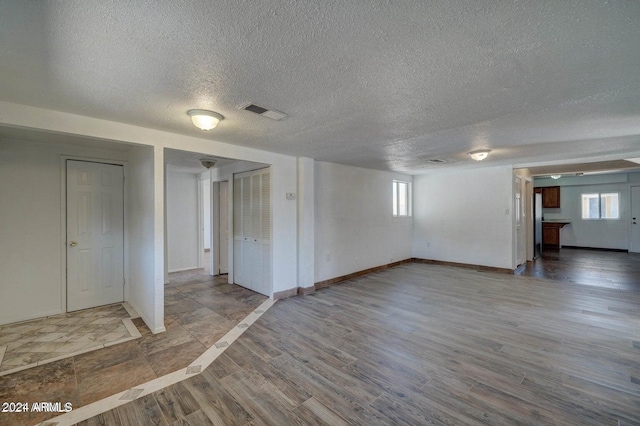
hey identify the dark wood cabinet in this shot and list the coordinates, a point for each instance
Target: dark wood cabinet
(551, 235)
(551, 197)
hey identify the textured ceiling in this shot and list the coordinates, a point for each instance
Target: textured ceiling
(588, 168)
(378, 84)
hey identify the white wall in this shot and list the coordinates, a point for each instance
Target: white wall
(283, 173)
(206, 212)
(354, 225)
(140, 226)
(32, 231)
(306, 222)
(464, 216)
(611, 234)
(183, 229)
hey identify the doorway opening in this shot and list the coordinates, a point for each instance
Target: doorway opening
(222, 232)
(215, 212)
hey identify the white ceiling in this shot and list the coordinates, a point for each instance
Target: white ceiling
(378, 84)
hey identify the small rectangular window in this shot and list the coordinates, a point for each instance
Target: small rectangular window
(601, 206)
(401, 198)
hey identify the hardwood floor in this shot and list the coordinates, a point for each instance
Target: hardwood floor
(598, 268)
(421, 344)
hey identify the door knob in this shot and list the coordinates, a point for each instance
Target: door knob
(73, 243)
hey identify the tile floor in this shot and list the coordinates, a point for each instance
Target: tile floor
(199, 309)
(29, 344)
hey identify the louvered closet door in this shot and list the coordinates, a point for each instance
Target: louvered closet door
(263, 261)
(238, 237)
(252, 230)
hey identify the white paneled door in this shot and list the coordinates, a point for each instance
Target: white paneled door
(95, 234)
(518, 214)
(635, 220)
(252, 230)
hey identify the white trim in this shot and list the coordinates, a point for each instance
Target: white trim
(146, 320)
(215, 228)
(232, 242)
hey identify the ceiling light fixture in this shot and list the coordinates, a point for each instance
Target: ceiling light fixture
(556, 176)
(208, 162)
(204, 119)
(479, 154)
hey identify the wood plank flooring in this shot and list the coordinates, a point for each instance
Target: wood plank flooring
(598, 268)
(421, 344)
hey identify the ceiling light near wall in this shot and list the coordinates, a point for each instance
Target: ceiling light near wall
(208, 162)
(479, 154)
(204, 119)
(556, 176)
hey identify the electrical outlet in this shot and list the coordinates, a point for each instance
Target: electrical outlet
(291, 195)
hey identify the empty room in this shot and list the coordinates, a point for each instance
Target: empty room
(319, 212)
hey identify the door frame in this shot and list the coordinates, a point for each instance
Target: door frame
(215, 227)
(529, 219)
(221, 208)
(519, 234)
(63, 222)
(201, 220)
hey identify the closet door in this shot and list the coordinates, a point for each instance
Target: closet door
(262, 277)
(238, 237)
(252, 230)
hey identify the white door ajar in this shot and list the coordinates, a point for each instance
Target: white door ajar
(95, 234)
(517, 212)
(635, 220)
(224, 228)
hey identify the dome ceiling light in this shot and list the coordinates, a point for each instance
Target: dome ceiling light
(204, 119)
(479, 154)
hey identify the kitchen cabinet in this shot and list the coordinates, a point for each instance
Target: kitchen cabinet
(551, 197)
(551, 233)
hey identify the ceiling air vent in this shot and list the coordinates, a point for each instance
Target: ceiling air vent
(436, 161)
(269, 113)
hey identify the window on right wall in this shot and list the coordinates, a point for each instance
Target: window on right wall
(601, 205)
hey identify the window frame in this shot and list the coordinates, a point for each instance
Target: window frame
(396, 201)
(599, 198)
